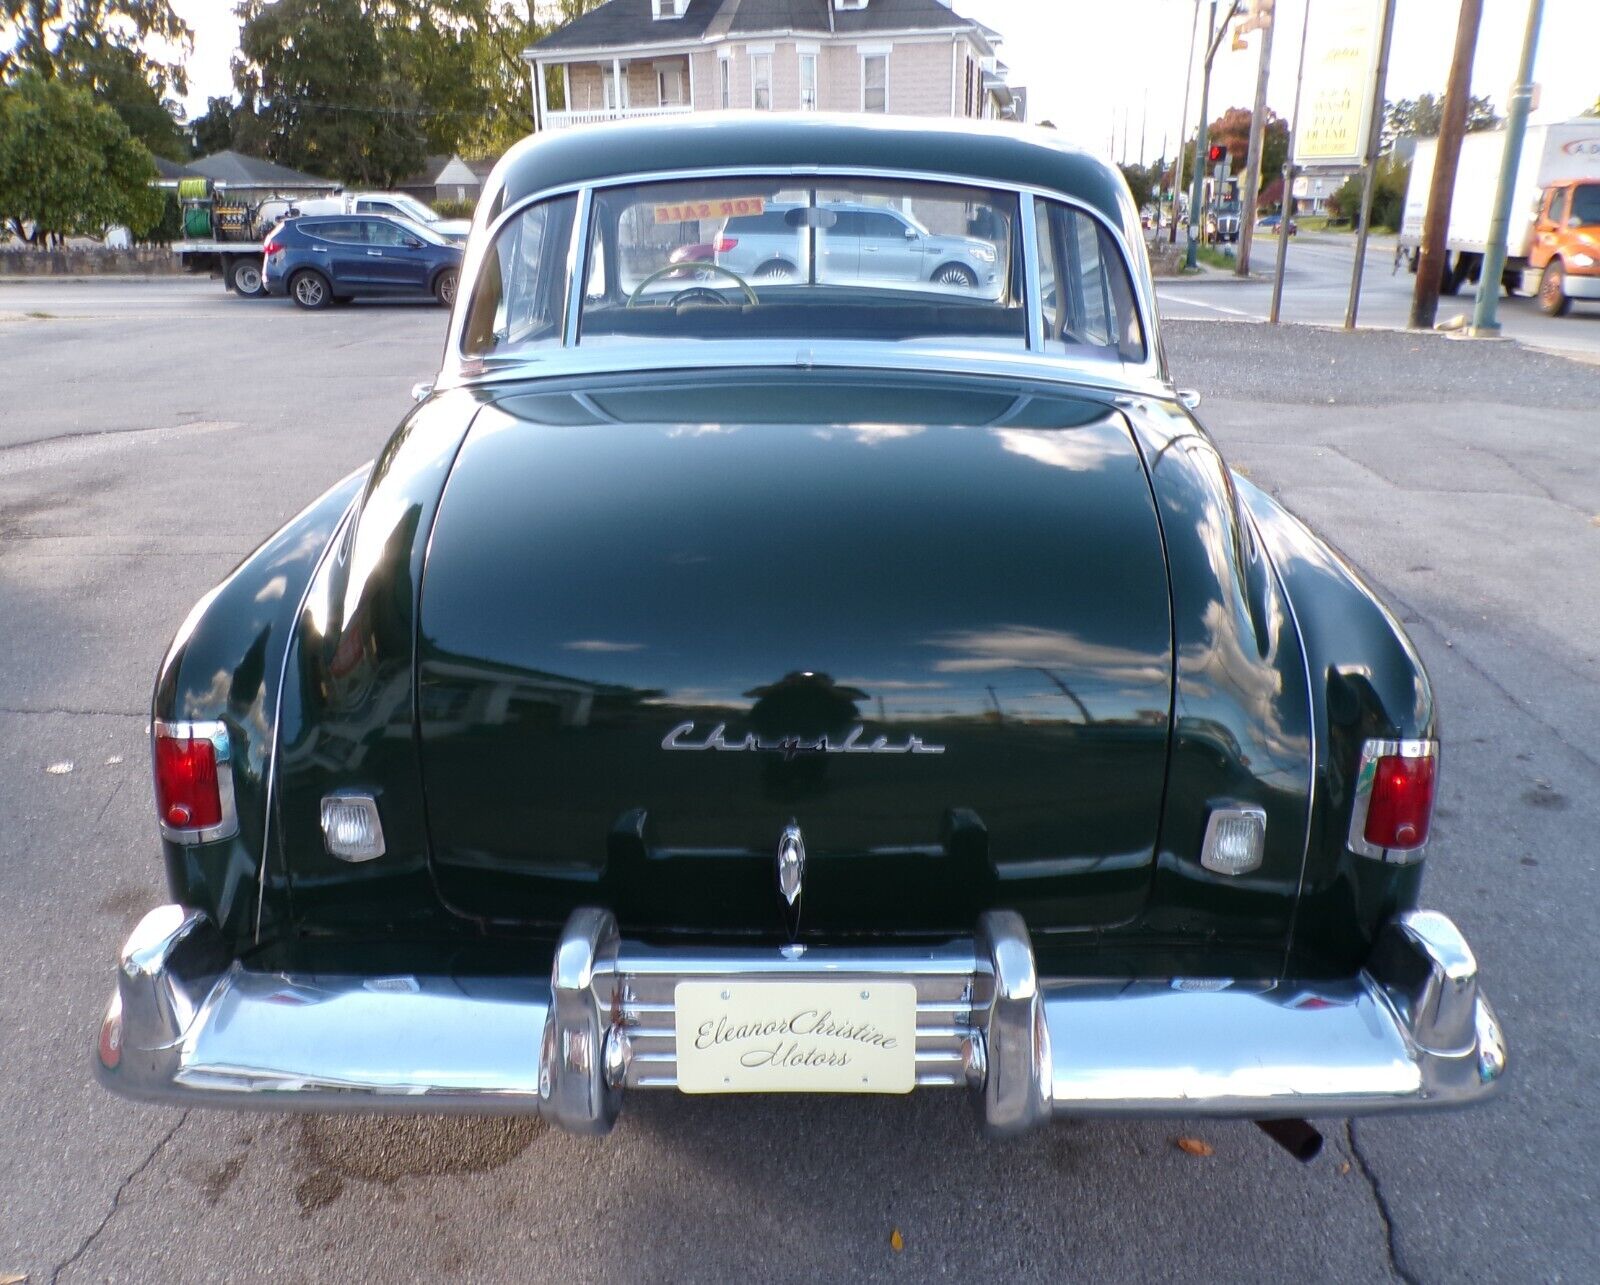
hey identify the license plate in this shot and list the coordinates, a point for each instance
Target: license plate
(796, 1037)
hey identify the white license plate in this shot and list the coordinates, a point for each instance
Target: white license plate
(796, 1037)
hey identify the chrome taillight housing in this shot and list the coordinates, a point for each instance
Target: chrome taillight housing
(194, 781)
(1393, 805)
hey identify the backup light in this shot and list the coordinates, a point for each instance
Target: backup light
(1393, 804)
(1236, 840)
(351, 828)
(193, 781)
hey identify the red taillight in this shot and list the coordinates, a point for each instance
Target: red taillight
(271, 247)
(726, 243)
(1401, 803)
(188, 796)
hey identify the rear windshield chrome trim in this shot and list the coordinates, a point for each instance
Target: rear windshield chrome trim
(538, 363)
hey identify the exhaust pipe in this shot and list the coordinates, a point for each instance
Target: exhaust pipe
(1298, 1137)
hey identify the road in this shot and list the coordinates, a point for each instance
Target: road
(1316, 287)
(153, 432)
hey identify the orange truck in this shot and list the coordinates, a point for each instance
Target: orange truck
(1553, 241)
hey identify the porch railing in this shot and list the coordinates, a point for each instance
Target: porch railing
(593, 115)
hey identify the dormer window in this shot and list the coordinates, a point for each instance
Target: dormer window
(845, 5)
(668, 8)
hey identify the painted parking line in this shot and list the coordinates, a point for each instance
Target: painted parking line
(1201, 303)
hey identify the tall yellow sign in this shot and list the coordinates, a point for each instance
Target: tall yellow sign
(1341, 55)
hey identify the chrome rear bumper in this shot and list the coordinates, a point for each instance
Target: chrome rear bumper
(1412, 1031)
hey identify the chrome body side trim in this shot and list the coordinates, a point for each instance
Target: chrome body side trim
(1411, 1031)
(1371, 752)
(217, 733)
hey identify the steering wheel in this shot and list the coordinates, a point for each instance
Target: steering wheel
(702, 291)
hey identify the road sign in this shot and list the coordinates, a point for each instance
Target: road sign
(1341, 54)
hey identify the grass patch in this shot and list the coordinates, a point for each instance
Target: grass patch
(1209, 254)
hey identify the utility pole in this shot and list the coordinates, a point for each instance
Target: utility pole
(1183, 127)
(1288, 175)
(1144, 117)
(1258, 113)
(1214, 34)
(1484, 322)
(1441, 192)
(1374, 139)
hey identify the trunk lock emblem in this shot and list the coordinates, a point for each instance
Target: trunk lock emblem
(791, 862)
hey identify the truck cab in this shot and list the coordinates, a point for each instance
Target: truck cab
(1564, 251)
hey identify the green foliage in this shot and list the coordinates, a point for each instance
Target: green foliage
(213, 131)
(1142, 182)
(1422, 116)
(320, 96)
(1388, 196)
(455, 209)
(68, 165)
(1232, 130)
(102, 46)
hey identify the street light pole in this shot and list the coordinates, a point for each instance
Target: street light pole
(1183, 128)
(1252, 169)
(1214, 35)
(1287, 208)
(1484, 321)
(1374, 138)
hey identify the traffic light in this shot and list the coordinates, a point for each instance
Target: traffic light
(1216, 154)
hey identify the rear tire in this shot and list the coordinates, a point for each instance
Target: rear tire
(244, 275)
(310, 290)
(444, 287)
(1553, 298)
(776, 270)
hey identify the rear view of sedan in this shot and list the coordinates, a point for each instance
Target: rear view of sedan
(323, 259)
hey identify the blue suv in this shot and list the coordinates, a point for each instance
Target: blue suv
(322, 259)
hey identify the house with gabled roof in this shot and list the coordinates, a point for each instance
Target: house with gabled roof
(631, 58)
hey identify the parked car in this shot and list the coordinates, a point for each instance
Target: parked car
(1270, 222)
(751, 685)
(332, 259)
(397, 205)
(854, 241)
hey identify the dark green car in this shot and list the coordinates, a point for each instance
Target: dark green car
(831, 681)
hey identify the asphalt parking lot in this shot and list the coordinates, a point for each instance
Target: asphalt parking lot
(151, 433)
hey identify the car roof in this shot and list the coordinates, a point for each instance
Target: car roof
(976, 151)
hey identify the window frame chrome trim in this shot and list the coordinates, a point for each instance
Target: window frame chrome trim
(1361, 799)
(459, 368)
(216, 732)
(577, 267)
(1032, 300)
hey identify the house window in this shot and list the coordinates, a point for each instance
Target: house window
(972, 68)
(808, 82)
(761, 82)
(725, 82)
(875, 82)
(668, 8)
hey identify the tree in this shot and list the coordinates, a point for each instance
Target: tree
(1141, 182)
(68, 165)
(1232, 130)
(101, 46)
(1422, 115)
(1388, 195)
(213, 131)
(317, 94)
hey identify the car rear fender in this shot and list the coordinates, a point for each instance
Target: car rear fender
(225, 664)
(1367, 682)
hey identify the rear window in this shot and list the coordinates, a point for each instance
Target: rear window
(342, 230)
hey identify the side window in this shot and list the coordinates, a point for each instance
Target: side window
(882, 227)
(1558, 205)
(521, 296)
(380, 232)
(1085, 291)
(344, 231)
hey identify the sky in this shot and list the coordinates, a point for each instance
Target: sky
(1094, 66)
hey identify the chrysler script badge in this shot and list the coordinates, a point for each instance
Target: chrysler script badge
(680, 738)
(791, 862)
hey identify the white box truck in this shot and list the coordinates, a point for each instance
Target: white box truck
(1550, 154)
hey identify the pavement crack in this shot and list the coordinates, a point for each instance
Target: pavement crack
(1396, 1267)
(116, 1200)
(110, 799)
(73, 713)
